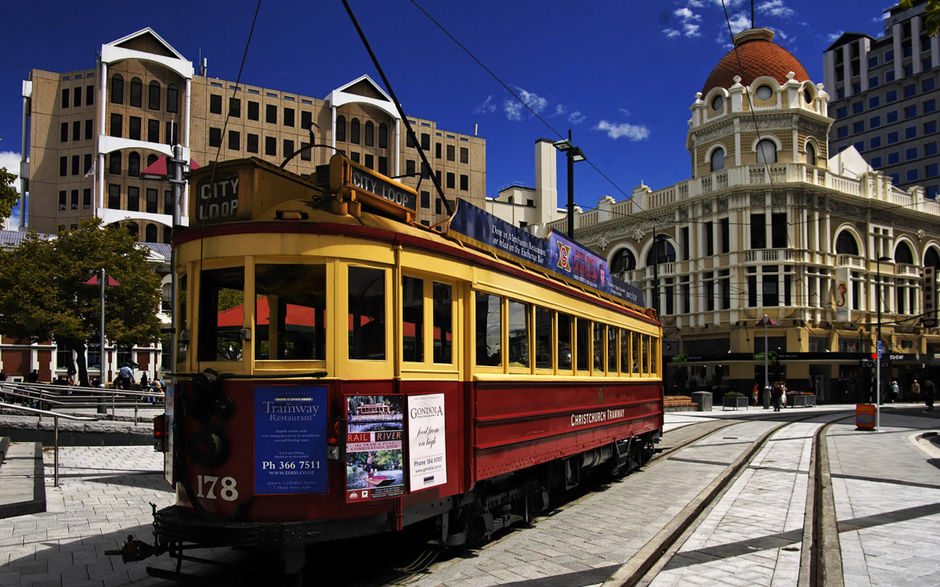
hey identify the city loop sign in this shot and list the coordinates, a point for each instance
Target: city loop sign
(359, 183)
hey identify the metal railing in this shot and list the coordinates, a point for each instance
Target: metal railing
(43, 396)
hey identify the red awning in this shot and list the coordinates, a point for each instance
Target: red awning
(766, 321)
(94, 281)
(158, 168)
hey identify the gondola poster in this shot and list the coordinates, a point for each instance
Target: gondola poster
(373, 447)
(290, 440)
(427, 459)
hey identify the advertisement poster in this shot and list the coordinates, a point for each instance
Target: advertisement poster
(427, 457)
(290, 440)
(374, 447)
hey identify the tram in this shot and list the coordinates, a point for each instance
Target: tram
(343, 370)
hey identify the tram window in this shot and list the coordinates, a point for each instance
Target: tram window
(518, 334)
(366, 313)
(564, 342)
(583, 346)
(543, 338)
(612, 350)
(600, 352)
(290, 308)
(653, 350)
(443, 323)
(635, 352)
(412, 301)
(221, 311)
(488, 330)
(624, 352)
(646, 354)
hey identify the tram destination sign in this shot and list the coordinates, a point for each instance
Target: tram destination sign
(372, 188)
(217, 199)
(557, 254)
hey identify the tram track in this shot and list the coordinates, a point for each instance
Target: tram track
(820, 562)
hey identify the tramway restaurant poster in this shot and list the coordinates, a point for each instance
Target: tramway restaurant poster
(427, 458)
(290, 440)
(374, 447)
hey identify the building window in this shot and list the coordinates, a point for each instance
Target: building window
(910, 132)
(133, 198)
(133, 164)
(873, 81)
(252, 143)
(114, 196)
(842, 132)
(930, 127)
(910, 111)
(153, 101)
(64, 132)
(858, 127)
(235, 107)
(133, 127)
(172, 136)
(340, 128)
(766, 151)
(464, 155)
(114, 162)
(910, 154)
(464, 182)
(75, 168)
(876, 162)
(425, 141)
(874, 102)
(89, 95)
(354, 131)
(288, 148)
(288, 117)
(89, 129)
(152, 204)
(930, 105)
(63, 198)
(425, 199)
(383, 165)
(891, 96)
(215, 104)
(369, 161)
(912, 174)
(810, 154)
(150, 233)
(153, 131)
(234, 140)
(270, 146)
(253, 110)
(894, 158)
(725, 235)
(137, 92)
(930, 149)
(215, 137)
(63, 166)
(857, 108)
(758, 232)
(370, 133)
(117, 89)
(842, 112)
(874, 122)
(306, 119)
(383, 135)
(892, 137)
(172, 98)
(875, 142)
(86, 198)
(930, 170)
(117, 121)
(450, 181)
(270, 114)
(910, 90)
(891, 117)
(451, 154)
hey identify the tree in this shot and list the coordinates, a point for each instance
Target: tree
(43, 295)
(931, 15)
(8, 195)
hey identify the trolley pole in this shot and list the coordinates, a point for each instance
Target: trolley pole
(176, 178)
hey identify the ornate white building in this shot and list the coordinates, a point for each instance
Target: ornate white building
(769, 225)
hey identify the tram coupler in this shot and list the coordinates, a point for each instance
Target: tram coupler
(134, 550)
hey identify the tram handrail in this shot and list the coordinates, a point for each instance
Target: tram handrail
(55, 421)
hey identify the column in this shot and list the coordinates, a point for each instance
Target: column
(397, 146)
(915, 44)
(102, 123)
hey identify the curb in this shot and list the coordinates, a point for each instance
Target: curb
(38, 502)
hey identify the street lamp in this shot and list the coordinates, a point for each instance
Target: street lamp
(878, 345)
(573, 154)
(765, 322)
(657, 239)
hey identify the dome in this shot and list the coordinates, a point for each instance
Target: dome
(758, 56)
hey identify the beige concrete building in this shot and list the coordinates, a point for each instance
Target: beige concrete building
(769, 225)
(88, 135)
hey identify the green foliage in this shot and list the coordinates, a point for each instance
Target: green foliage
(43, 295)
(931, 15)
(8, 195)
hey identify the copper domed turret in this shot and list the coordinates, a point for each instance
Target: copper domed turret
(754, 56)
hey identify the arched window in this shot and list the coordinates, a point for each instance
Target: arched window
(117, 89)
(667, 254)
(151, 159)
(766, 152)
(172, 98)
(623, 260)
(383, 135)
(370, 133)
(810, 154)
(114, 162)
(137, 91)
(133, 164)
(718, 159)
(340, 128)
(151, 233)
(354, 131)
(132, 228)
(154, 99)
(932, 258)
(846, 244)
(903, 254)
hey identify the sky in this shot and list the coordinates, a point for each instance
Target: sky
(620, 74)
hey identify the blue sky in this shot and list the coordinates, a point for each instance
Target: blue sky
(620, 74)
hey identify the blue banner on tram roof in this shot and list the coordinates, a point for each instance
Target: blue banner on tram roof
(557, 254)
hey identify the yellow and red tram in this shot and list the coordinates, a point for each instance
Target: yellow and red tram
(352, 372)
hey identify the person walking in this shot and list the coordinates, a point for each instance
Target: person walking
(775, 394)
(915, 390)
(895, 391)
(929, 390)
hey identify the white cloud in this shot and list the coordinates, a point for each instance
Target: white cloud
(690, 30)
(11, 161)
(633, 132)
(695, 3)
(671, 33)
(487, 107)
(514, 110)
(576, 117)
(560, 110)
(686, 14)
(740, 22)
(831, 37)
(776, 8)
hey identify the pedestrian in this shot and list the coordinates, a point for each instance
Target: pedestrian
(754, 395)
(776, 393)
(915, 390)
(929, 390)
(125, 377)
(895, 391)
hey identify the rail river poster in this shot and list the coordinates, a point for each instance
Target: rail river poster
(374, 447)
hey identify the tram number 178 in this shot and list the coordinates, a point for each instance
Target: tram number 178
(206, 487)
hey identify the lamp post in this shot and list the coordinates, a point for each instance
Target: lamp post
(573, 154)
(657, 239)
(765, 322)
(878, 344)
